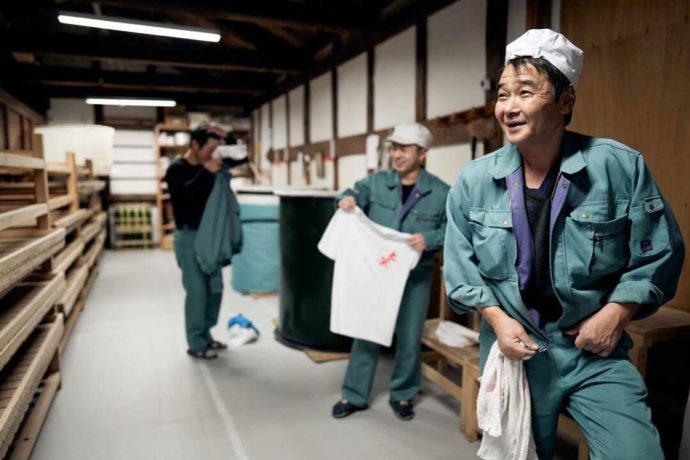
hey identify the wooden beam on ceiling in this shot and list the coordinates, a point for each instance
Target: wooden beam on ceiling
(85, 78)
(149, 51)
(359, 43)
(258, 12)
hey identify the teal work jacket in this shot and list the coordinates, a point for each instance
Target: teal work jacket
(613, 236)
(379, 195)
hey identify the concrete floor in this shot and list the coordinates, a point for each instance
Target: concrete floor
(130, 391)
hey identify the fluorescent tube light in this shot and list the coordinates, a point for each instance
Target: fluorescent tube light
(131, 102)
(139, 27)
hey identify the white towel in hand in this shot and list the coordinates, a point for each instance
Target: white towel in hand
(504, 410)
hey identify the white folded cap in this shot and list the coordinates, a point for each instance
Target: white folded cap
(551, 46)
(411, 134)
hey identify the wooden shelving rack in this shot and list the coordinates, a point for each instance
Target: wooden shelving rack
(49, 252)
(30, 325)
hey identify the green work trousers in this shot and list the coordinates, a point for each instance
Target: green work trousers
(606, 397)
(202, 304)
(406, 378)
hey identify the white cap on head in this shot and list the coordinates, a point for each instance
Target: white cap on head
(552, 47)
(411, 134)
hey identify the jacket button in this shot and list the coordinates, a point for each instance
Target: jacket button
(505, 222)
(585, 216)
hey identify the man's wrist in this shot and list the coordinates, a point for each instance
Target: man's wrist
(624, 311)
(491, 314)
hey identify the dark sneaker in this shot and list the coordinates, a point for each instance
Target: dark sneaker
(403, 410)
(343, 408)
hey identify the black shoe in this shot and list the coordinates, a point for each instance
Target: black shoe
(403, 411)
(342, 409)
(216, 345)
(206, 354)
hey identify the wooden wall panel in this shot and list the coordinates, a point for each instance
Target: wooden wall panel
(27, 132)
(634, 89)
(3, 128)
(14, 130)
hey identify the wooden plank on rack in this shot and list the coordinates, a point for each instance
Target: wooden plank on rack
(24, 308)
(91, 256)
(91, 230)
(27, 371)
(67, 256)
(71, 220)
(18, 216)
(19, 257)
(60, 202)
(70, 323)
(27, 437)
(75, 282)
(61, 169)
(90, 282)
(19, 161)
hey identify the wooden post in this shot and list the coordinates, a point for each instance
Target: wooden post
(421, 62)
(496, 36)
(370, 91)
(72, 187)
(41, 182)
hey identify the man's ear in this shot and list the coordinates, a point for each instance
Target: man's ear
(423, 154)
(567, 100)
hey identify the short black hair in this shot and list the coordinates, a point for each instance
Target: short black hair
(559, 82)
(201, 135)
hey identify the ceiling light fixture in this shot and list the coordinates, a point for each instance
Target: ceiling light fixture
(139, 27)
(131, 102)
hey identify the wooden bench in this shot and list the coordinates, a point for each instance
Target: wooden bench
(666, 324)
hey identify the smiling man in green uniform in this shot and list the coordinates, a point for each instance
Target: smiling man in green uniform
(410, 200)
(559, 240)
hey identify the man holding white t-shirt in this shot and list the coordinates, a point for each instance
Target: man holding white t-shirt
(410, 200)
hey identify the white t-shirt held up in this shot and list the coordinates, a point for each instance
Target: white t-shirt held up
(372, 264)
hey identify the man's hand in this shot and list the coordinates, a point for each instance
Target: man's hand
(513, 340)
(348, 203)
(213, 165)
(601, 332)
(417, 242)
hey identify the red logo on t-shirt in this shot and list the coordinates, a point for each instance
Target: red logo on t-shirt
(386, 260)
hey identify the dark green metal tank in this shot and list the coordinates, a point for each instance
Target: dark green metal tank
(306, 275)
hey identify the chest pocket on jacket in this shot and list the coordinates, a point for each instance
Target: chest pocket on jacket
(383, 212)
(491, 231)
(649, 234)
(425, 219)
(595, 247)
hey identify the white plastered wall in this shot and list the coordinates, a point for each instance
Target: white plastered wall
(321, 109)
(279, 109)
(296, 97)
(448, 161)
(456, 58)
(352, 97)
(351, 168)
(394, 80)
